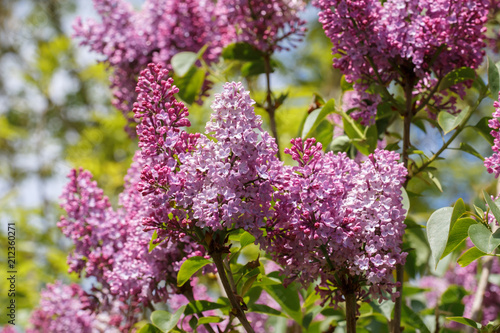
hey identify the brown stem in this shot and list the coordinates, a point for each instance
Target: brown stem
(400, 269)
(350, 312)
(237, 310)
(270, 106)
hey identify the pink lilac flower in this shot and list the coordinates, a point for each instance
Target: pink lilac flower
(467, 277)
(379, 43)
(492, 163)
(129, 40)
(339, 220)
(8, 329)
(266, 24)
(218, 180)
(437, 286)
(64, 308)
(112, 246)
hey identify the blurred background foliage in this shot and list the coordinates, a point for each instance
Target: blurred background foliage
(55, 114)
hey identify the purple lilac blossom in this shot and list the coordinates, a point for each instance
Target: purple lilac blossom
(266, 24)
(64, 308)
(129, 40)
(8, 329)
(492, 163)
(112, 246)
(379, 43)
(221, 179)
(466, 277)
(339, 220)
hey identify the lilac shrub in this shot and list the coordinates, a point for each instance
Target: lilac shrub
(66, 308)
(339, 220)
(266, 24)
(130, 40)
(220, 180)
(379, 43)
(112, 246)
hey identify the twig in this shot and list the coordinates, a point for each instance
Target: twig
(458, 130)
(270, 106)
(350, 312)
(237, 310)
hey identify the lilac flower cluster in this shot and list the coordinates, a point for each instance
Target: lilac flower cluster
(266, 24)
(379, 43)
(466, 277)
(492, 163)
(220, 180)
(130, 40)
(339, 220)
(8, 329)
(112, 246)
(64, 308)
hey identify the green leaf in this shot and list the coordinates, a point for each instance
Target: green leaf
(182, 62)
(493, 79)
(459, 232)
(469, 256)
(406, 201)
(189, 267)
(287, 298)
(323, 133)
(151, 244)
(438, 229)
(449, 122)
(495, 210)
(255, 67)
(459, 210)
(241, 51)
(149, 328)
(371, 135)
(466, 321)
(249, 282)
(456, 76)
(190, 85)
(262, 308)
(469, 149)
(209, 319)
(484, 130)
(435, 181)
(483, 238)
(201, 306)
(385, 308)
(339, 144)
(246, 239)
(315, 118)
(166, 321)
(413, 319)
(344, 85)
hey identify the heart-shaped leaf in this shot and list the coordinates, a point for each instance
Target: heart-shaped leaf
(165, 320)
(483, 238)
(438, 230)
(189, 267)
(469, 256)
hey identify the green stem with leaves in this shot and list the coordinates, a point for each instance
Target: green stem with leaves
(458, 130)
